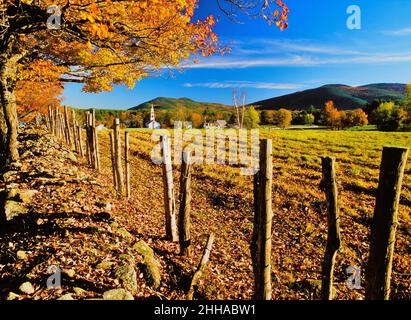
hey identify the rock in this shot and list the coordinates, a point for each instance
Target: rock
(143, 248)
(79, 291)
(26, 195)
(27, 288)
(105, 265)
(66, 297)
(13, 209)
(128, 276)
(71, 156)
(9, 176)
(114, 225)
(108, 207)
(81, 194)
(69, 272)
(21, 195)
(26, 154)
(21, 255)
(151, 266)
(152, 271)
(124, 233)
(12, 296)
(117, 294)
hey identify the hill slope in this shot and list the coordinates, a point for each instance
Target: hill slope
(344, 97)
(170, 103)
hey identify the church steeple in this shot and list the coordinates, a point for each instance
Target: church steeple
(152, 118)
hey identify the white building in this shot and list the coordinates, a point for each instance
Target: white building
(219, 124)
(153, 124)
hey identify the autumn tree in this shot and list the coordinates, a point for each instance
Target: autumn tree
(196, 119)
(408, 100)
(267, 117)
(355, 117)
(282, 118)
(100, 43)
(332, 117)
(33, 98)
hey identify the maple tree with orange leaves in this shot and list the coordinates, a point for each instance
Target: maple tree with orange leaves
(101, 43)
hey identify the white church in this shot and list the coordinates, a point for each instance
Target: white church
(153, 124)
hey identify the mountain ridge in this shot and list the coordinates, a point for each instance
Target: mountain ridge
(345, 97)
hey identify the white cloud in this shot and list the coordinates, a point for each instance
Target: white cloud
(230, 62)
(244, 84)
(399, 32)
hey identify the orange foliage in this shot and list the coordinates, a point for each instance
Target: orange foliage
(332, 117)
(33, 97)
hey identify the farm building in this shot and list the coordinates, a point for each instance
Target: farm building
(219, 124)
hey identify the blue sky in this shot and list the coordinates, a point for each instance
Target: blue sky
(316, 49)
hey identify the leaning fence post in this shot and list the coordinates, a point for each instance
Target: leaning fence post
(169, 198)
(384, 224)
(329, 185)
(261, 239)
(185, 205)
(201, 267)
(67, 126)
(80, 140)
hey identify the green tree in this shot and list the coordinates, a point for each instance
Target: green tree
(389, 117)
(251, 118)
(309, 118)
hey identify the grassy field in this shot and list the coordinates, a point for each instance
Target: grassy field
(222, 203)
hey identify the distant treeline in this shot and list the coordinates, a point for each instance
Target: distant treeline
(386, 115)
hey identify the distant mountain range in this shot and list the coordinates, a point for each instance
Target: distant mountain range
(344, 97)
(171, 103)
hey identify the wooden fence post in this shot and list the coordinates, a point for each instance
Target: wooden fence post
(67, 126)
(261, 239)
(80, 140)
(113, 159)
(184, 221)
(127, 162)
(117, 149)
(88, 142)
(201, 267)
(329, 186)
(75, 139)
(95, 141)
(169, 197)
(384, 224)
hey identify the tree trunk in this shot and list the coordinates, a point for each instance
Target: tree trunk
(8, 104)
(3, 138)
